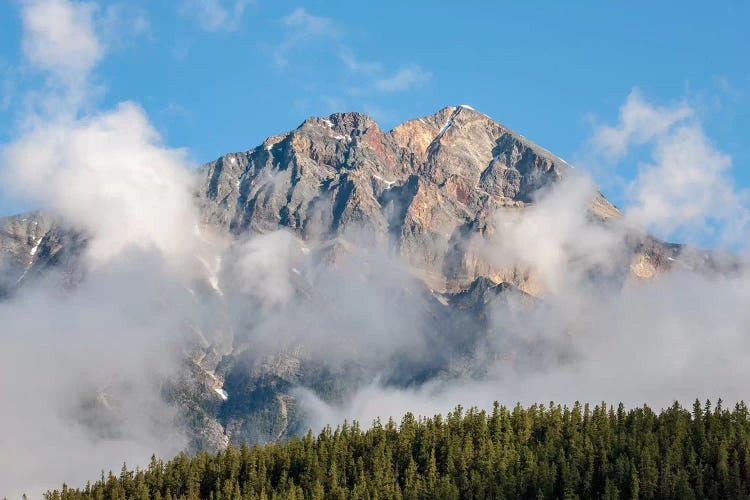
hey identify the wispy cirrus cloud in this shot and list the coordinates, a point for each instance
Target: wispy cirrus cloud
(215, 15)
(119, 23)
(303, 28)
(358, 66)
(404, 79)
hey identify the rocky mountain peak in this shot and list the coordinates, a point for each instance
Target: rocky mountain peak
(339, 126)
(419, 189)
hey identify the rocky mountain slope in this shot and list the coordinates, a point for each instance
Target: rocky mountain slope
(344, 186)
(421, 188)
(33, 243)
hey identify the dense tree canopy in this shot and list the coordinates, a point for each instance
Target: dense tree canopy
(536, 452)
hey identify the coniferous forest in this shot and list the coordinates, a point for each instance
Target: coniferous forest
(543, 451)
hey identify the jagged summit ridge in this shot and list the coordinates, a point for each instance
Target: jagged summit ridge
(420, 187)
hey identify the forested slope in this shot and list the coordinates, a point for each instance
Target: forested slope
(535, 452)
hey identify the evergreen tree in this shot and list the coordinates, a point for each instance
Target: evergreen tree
(543, 451)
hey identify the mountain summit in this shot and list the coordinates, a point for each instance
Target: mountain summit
(420, 188)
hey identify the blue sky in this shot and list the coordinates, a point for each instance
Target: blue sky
(219, 76)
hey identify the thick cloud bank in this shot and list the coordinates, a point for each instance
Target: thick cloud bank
(83, 368)
(677, 336)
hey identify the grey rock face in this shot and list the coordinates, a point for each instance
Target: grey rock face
(501, 181)
(35, 242)
(415, 187)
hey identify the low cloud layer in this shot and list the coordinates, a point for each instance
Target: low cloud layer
(596, 333)
(84, 368)
(82, 376)
(678, 336)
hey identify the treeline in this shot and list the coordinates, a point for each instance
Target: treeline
(536, 452)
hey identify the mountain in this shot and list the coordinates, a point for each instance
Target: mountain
(33, 243)
(350, 193)
(421, 188)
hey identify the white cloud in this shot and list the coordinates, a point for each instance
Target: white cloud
(93, 364)
(216, 15)
(59, 37)
(311, 25)
(106, 174)
(302, 27)
(640, 122)
(262, 267)
(64, 41)
(109, 175)
(553, 237)
(677, 338)
(357, 66)
(119, 23)
(404, 79)
(687, 188)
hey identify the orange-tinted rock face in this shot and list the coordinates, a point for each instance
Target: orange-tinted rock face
(415, 136)
(422, 188)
